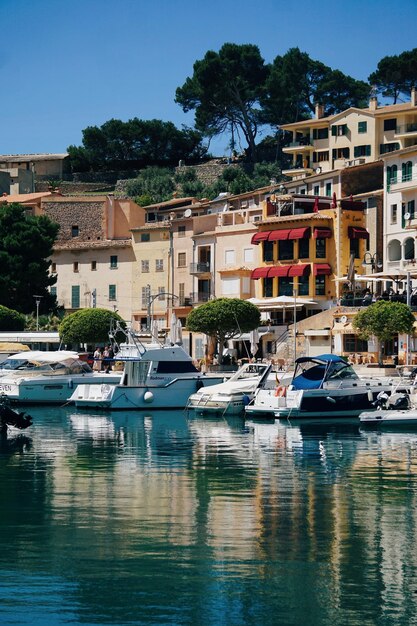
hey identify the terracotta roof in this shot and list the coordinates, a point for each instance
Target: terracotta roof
(16, 158)
(24, 198)
(395, 108)
(395, 153)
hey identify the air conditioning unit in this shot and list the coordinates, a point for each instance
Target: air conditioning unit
(256, 218)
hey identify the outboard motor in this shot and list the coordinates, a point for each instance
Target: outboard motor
(398, 401)
(381, 400)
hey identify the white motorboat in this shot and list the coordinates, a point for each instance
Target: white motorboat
(231, 396)
(324, 386)
(49, 377)
(155, 376)
(399, 409)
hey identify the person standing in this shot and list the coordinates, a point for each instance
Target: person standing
(97, 360)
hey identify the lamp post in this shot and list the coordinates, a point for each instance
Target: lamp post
(37, 301)
(372, 260)
(151, 299)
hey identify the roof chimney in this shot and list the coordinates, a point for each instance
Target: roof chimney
(413, 96)
(373, 103)
(319, 111)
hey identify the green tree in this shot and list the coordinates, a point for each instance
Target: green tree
(11, 320)
(26, 243)
(296, 83)
(225, 90)
(135, 144)
(384, 320)
(223, 319)
(396, 74)
(88, 326)
(154, 183)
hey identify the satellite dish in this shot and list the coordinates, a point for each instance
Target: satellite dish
(343, 319)
(407, 216)
(188, 213)
(172, 215)
(318, 170)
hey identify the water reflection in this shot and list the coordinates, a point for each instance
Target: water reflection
(159, 518)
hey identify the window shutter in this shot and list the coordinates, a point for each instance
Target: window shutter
(367, 150)
(345, 129)
(314, 133)
(334, 131)
(356, 151)
(334, 153)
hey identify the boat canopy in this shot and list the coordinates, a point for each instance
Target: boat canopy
(312, 372)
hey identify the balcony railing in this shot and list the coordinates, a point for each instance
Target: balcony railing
(304, 141)
(199, 268)
(406, 128)
(185, 301)
(401, 177)
(200, 297)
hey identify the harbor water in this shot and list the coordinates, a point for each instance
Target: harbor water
(166, 518)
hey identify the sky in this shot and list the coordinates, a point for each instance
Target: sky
(69, 64)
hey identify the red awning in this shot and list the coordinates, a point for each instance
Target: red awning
(279, 270)
(302, 269)
(299, 233)
(260, 236)
(260, 272)
(357, 232)
(322, 233)
(322, 269)
(279, 235)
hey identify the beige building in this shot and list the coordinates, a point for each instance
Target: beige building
(39, 166)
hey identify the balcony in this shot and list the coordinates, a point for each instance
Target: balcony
(303, 144)
(200, 268)
(200, 297)
(403, 182)
(185, 301)
(298, 171)
(406, 130)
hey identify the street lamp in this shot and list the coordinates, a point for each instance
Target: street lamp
(372, 260)
(38, 301)
(151, 299)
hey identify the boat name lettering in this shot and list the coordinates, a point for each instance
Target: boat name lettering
(4, 387)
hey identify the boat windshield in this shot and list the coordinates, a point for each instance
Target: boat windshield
(15, 364)
(341, 371)
(311, 374)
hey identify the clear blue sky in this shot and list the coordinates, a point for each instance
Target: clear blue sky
(68, 64)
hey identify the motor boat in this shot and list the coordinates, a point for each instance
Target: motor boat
(324, 386)
(156, 375)
(49, 377)
(231, 396)
(399, 409)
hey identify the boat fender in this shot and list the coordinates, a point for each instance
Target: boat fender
(70, 384)
(148, 396)
(280, 392)
(245, 400)
(199, 383)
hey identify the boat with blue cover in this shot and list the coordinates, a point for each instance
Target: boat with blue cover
(323, 386)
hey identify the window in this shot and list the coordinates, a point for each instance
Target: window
(182, 259)
(75, 231)
(303, 285)
(286, 250)
(394, 214)
(75, 266)
(388, 147)
(316, 190)
(52, 291)
(320, 133)
(181, 231)
(319, 157)
(93, 266)
(75, 297)
(303, 248)
(411, 208)
(159, 265)
(145, 266)
(352, 343)
(354, 248)
(145, 237)
(113, 262)
(181, 293)
(268, 251)
(359, 151)
(407, 171)
(268, 287)
(390, 124)
(320, 248)
(112, 292)
(161, 290)
(145, 296)
(229, 257)
(340, 153)
(248, 255)
(328, 189)
(362, 127)
(320, 285)
(339, 130)
(285, 286)
(53, 268)
(392, 174)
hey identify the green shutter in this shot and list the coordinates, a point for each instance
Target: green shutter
(314, 133)
(345, 129)
(334, 154)
(356, 151)
(334, 131)
(367, 150)
(75, 297)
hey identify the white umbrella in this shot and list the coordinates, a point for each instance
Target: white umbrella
(173, 328)
(254, 341)
(179, 332)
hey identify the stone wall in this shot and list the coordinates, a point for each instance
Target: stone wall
(88, 216)
(209, 172)
(75, 189)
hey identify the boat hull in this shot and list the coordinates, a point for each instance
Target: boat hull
(390, 417)
(120, 397)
